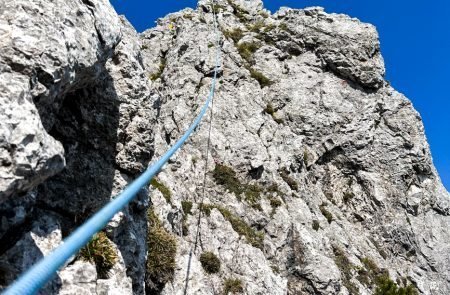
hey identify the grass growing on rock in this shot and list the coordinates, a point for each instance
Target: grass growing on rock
(288, 179)
(162, 248)
(163, 189)
(261, 78)
(326, 213)
(101, 252)
(252, 236)
(246, 50)
(210, 262)
(233, 286)
(160, 71)
(234, 34)
(227, 177)
(187, 207)
(345, 266)
(372, 276)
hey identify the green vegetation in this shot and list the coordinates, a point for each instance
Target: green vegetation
(372, 275)
(253, 237)
(256, 27)
(238, 11)
(269, 109)
(235, 34)
(210, 262)
(187, 210)
(326, 213)
(163, 189)
(345, 266)
(217, 7)
(315, 225)
(305, 157)
(160, 71)
(348, 196)
(101, 252)
(226, 177)
(232, 285)
(246, 50)
(289, 180)
(262, 80)
(275, 202)
(162, 248)
(385, 286)
(187, 207)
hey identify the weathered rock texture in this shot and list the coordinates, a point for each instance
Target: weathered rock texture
(320, 179)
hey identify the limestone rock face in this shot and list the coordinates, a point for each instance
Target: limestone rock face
(319, 178)
(346, 188)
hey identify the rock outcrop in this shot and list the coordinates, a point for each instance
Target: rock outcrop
(319, 179)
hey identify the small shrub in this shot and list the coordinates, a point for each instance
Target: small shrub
(275, 269)
(160, 71)
(373, 276)
(247, 49)
(101, 252)
(210, 45)
(226, 177)
(348, 196)
(305, 157)
(345, 266)
(163, 189)
(386, 286)
(187, 207)
(316, 225)
(326, 213)
(235, 34)
(275, 202)
(162, 248)
(262, 80)
(232, 285)
(289, 180)
(210, 262)
(269, 109)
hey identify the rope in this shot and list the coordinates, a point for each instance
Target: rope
(34, 279)
(197, 233)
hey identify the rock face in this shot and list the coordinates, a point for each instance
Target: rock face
(319, 177)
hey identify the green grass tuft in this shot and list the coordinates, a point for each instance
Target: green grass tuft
(210, 262)
(160, 71)
(101, 252)
(227, 177)
(345, 266)
(232, 285)
(326, 213)
(246, 50)
(163, 189)
(253, 237)
(234, 34)
(288, 179)
(187, 207)
(262, 80)
(162, 248)
(315, 225)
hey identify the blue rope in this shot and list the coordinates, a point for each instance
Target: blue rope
(39, 274)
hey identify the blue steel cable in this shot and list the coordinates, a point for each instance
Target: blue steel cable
(34, 279)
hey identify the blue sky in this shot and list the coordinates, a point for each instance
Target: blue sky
(415, 43)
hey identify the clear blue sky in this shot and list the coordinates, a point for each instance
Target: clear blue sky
(415, 43)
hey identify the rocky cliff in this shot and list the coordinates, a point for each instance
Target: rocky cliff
(319, 178)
